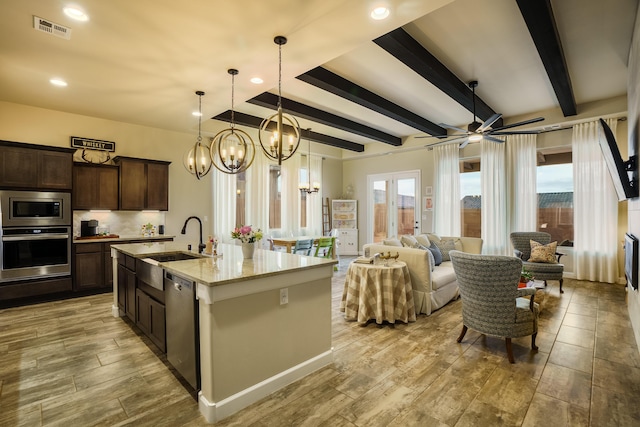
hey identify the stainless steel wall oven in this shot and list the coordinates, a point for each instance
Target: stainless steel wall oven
(35, 234)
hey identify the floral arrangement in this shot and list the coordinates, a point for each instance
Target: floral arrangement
(246, 234)
(525, 275)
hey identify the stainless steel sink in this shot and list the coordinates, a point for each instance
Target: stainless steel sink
(178, 256)
(149, 271)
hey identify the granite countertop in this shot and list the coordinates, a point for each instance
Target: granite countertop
(121, 238)
(229, 268)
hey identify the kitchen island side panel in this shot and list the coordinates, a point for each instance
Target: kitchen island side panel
(253, 338)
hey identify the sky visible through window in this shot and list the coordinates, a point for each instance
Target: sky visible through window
(551, 179)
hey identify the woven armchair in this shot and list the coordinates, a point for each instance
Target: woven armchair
(540, 270)
(491, 302)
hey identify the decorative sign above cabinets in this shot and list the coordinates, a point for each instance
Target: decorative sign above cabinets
(84, 144)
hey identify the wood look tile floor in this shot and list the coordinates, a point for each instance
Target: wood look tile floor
(71, 363)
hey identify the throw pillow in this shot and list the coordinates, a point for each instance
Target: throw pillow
(423, 240)
(445, 247)
(409, 241)
(543, 253)
(432, 259)
(433, 237)
(437, 255)
(392, 242)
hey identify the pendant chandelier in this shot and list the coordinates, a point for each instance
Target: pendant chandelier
(232, 150)
(197, 160)
(279, 134)
(305, 187)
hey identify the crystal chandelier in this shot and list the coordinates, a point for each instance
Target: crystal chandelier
(305, 187)
(232, 150)
(276, 145)
(197, 160)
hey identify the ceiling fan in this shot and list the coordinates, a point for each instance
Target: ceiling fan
(477, 131)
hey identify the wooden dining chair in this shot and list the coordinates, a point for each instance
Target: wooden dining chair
(303, 247)
(324, 249)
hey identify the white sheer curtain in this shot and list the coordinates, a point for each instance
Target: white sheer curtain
(290, 219)
(224, 205)
(495, 219)
(314, 201)
(447, 190)
(595, 207)
(521, 167)
(257, 197)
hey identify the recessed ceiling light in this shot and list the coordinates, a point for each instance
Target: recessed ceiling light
(197, 113)
(256, 80)
(380, 12)
(58, 82)
(75, 13)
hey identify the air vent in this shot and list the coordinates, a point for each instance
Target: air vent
(52, 28)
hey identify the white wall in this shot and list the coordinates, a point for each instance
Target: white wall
(633, 91)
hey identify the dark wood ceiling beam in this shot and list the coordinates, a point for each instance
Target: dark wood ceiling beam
(538, 15)
(407, 50)
(255, 122)
(326, 80)
(269, 100)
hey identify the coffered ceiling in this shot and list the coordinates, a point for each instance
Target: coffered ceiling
(353, 80)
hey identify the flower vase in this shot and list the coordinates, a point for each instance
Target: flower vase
(247, 250)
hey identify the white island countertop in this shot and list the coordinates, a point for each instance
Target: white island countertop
(228, 268)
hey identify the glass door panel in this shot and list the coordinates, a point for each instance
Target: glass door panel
(380, 210)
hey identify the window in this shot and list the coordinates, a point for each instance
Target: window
(275, 197)
(471, 201)
(555, 197)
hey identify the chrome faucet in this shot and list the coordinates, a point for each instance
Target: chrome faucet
(201, 246)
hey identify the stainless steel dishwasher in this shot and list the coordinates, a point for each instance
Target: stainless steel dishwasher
(183, 346)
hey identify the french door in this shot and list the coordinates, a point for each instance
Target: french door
(393, 205)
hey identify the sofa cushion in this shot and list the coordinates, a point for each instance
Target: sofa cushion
(409, 241)
(423, 240)
(543, 253)
(437, 255)
(445, 246)
(443, 275)
(392, 242)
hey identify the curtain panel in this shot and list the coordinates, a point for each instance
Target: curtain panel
(446, 204)
(595, 207)
(495, 219)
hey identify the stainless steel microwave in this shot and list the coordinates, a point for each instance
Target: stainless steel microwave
(35, 208)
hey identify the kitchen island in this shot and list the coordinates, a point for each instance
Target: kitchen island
(263, 323)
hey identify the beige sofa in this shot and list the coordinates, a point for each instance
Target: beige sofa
(431, 289)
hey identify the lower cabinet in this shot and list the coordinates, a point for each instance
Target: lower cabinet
(127, 286)
(347, 241)
(150, 318)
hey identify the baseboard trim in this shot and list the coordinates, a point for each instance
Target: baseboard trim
(215, 411)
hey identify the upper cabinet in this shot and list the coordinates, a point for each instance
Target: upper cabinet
(33, 166)
(144, 184)
(95, 186)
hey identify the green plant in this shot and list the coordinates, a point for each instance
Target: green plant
(526, 275)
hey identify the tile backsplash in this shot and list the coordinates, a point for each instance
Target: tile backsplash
(122, 223)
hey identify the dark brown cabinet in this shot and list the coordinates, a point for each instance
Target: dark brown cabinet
(127, 286)
(32, 166)
(144, 184)
(150, 318)
(95, 186)
(92, 266)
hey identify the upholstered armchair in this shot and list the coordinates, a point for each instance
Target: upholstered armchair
(540, 270)
(491, 302)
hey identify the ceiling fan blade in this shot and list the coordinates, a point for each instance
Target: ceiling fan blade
(490, 138)
(448, 141)
(464, 143)
(491, 120)
(516, 132)
(512, 125)
(444, 125)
